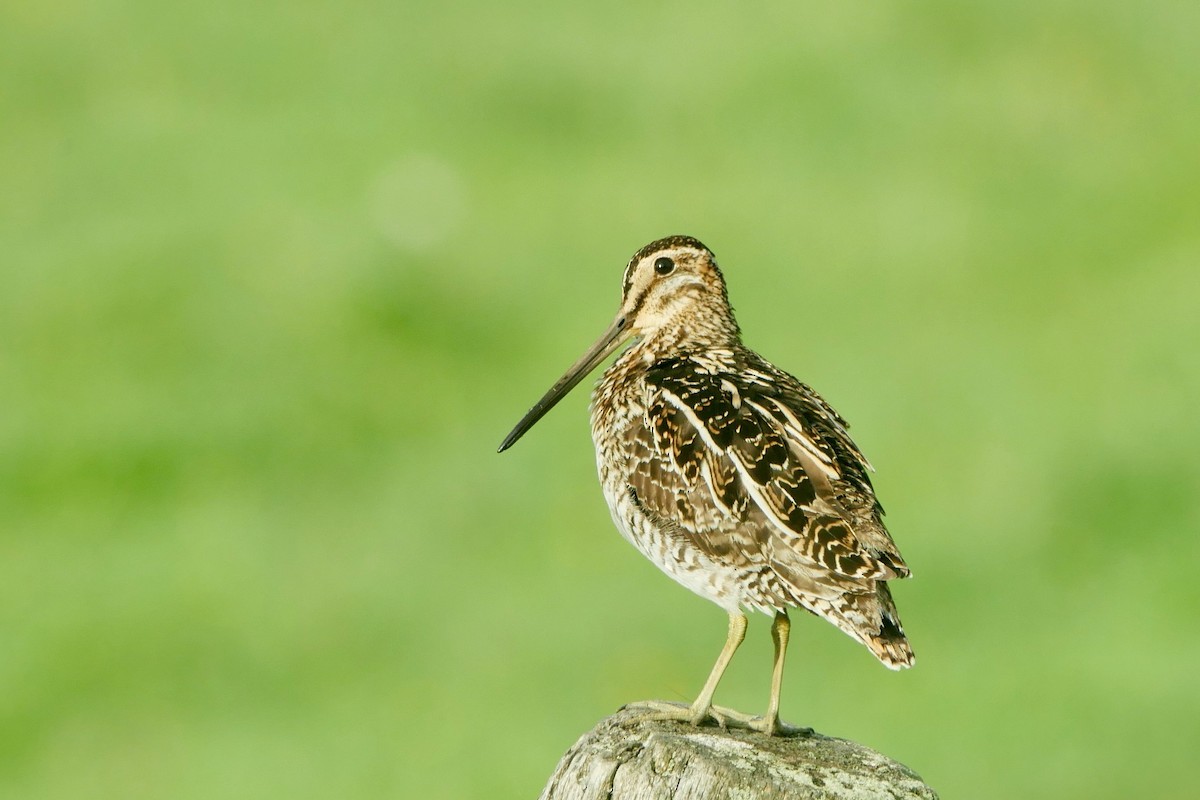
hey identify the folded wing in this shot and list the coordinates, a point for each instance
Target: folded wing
(753, 460)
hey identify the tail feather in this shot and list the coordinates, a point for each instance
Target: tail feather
(886, 639)
(870, 618)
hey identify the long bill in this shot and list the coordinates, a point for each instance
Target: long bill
(614, 337)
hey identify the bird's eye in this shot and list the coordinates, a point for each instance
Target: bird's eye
(664, 266)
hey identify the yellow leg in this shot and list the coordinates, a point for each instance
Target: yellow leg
(780, 629)
(703, 708)
(737, 633)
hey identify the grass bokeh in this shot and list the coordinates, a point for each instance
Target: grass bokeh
(276, 278)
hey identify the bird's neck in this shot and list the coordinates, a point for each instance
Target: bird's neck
(688, 333)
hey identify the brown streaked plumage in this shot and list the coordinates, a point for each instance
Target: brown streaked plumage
(734, 478)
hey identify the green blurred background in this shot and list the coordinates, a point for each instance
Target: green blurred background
(276, 278)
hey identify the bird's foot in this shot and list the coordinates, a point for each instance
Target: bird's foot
(661, 710)
(771, 726)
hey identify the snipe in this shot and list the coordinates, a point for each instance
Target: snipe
(734, 478)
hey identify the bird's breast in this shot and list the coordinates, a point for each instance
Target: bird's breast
(618, 417)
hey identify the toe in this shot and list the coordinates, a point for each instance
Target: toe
(767, 725)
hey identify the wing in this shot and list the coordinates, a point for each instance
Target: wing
(748, 444)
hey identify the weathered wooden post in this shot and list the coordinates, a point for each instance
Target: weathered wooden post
(627, 758)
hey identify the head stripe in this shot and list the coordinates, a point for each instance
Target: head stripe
(660, 244)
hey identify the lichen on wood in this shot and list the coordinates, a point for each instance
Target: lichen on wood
(626, 757)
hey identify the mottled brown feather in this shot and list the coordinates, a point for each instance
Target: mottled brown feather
(753, 458)
(732, 476)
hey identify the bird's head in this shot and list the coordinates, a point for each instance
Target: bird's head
(667, 283)
(672, 287)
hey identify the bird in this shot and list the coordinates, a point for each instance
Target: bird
(734, 478)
